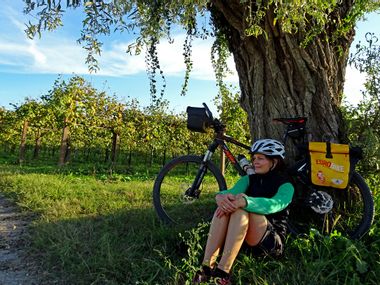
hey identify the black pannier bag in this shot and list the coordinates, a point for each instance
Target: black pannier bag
(197, 119)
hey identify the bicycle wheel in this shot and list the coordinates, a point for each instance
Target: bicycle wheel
(169, 199)
(352, 210)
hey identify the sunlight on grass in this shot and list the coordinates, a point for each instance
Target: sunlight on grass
(57, 196)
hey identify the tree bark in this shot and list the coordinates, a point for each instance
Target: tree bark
(68, 151)
(115, 146)
(21, 158)
(37, 145)
(64, 143)
(279, 78)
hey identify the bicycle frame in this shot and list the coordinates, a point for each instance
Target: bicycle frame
(219, 141)
(295, 130)
(322, 208)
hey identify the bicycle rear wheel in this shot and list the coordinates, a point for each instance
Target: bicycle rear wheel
(169, 199)
(352, 213)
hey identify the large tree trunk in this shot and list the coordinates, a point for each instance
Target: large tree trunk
(279, 78)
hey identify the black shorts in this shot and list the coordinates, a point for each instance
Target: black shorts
(270, 244)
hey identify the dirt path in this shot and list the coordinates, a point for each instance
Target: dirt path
(15, 267)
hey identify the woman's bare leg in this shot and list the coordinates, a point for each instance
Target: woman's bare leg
(231, 230)
(237, 230)
(256, 230)
(242, 226)
(215, 240)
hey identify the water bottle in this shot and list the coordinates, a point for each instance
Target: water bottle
(245, 164)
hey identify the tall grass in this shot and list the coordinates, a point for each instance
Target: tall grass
(99, 229)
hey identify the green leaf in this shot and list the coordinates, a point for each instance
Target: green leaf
(361, 266)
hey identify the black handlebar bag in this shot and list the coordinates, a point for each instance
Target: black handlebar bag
(197, 119)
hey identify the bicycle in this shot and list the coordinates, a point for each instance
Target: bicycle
(185, 188)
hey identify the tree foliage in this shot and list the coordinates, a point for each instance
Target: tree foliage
(231, 114)
(290, 55)
(364, 119)
(151, 21)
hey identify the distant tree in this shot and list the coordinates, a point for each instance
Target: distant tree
(9, 129)
(69, 102)
(26, 114)
(112, 116)
(231, 114)
(364, 119)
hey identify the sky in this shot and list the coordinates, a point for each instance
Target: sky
(28, 68)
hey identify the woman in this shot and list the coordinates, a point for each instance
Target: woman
(253, 212)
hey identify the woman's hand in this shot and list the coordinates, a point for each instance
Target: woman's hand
(229, 203)
(226, 202)
(240, 201)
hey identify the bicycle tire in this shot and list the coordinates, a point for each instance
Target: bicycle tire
(352, 213)
(169, 201)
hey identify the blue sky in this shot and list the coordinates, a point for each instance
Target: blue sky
(28, 68)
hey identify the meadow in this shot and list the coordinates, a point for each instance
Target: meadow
(94, 227)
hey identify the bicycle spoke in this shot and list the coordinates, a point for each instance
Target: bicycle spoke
(346, 217)
(172, 200)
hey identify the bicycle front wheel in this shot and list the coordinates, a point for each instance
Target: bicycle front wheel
(351, 215)
(169, 192)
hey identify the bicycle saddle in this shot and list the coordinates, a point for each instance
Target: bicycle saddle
(291, 121)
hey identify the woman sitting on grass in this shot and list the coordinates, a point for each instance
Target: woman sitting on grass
(253, 212)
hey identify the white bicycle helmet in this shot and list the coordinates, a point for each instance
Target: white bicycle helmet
(269, 147)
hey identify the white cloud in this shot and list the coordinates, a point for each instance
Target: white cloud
(52, 54)
(38, 56)
(56, 53)
(115, 61)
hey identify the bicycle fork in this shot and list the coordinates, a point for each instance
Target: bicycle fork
(194, 191)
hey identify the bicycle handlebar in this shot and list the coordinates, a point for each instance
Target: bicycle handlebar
(208, 112)
(216, 124)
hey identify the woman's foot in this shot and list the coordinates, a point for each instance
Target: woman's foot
(221, 277)
(203, 275)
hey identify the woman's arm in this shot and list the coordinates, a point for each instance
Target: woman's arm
(278, 202)
(240, 186)
(227, 200)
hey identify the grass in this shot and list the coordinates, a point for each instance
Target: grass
(100, 229)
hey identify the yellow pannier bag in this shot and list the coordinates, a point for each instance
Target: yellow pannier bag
(330, 164)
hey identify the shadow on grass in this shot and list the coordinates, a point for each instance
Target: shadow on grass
(115, 236)
(129, 247)
(124, 247)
